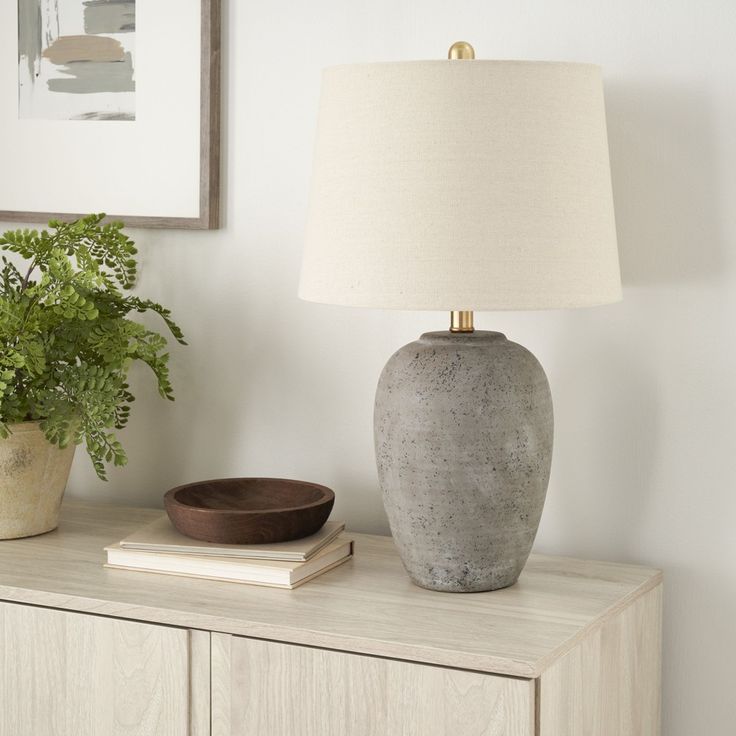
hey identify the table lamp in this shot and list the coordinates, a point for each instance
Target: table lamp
(462, 185)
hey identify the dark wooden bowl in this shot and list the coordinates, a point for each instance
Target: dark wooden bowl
(249, 510)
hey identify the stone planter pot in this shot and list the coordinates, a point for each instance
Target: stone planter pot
(33, 477)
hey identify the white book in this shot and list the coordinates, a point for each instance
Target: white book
(162, 536)
(274, 573)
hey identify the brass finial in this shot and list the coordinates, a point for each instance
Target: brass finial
(461, 50)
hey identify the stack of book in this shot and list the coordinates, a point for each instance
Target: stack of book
(159, 547)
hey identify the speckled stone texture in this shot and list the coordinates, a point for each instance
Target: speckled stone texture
(463, 432)
(33, 476)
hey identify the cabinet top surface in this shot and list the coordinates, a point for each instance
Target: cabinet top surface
(367, 605)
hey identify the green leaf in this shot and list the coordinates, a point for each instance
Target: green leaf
(67, 339)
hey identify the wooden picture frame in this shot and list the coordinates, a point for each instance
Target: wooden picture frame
(208, 215)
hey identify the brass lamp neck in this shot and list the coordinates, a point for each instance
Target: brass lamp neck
(461, 321)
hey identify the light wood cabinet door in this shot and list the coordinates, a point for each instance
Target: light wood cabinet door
(262, 688)
(70, 674)
(610, 683)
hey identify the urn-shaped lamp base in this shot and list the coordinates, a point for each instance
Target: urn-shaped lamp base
(463, 433)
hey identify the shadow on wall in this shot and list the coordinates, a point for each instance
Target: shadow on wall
(609, 426)
(168, 444)
(701, 596)
(607, 438)
(203, 444)
(194, 437)
(642, 490)
(665, 180)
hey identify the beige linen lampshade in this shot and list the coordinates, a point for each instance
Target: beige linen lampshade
(461, 185)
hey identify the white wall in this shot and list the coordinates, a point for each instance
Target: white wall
(645, 455)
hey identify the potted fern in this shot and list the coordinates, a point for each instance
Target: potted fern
(67, 342)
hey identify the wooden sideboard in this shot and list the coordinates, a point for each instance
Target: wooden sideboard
(573, 649)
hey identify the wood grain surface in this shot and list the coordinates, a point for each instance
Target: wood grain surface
(67, 674)
(610, 683)
(367, 606)
(200, 669)
(285, 690)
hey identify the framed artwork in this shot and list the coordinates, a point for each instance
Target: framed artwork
(110, 106)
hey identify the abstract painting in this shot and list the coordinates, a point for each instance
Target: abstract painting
(76, 59)
(119, 97)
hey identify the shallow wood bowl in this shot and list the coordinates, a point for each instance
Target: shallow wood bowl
(249, 510)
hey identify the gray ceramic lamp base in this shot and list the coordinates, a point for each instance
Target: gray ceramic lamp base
(463, 432)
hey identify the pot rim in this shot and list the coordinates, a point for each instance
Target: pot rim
(25, 426)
